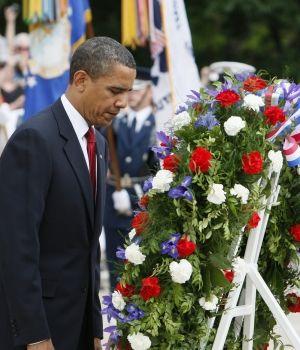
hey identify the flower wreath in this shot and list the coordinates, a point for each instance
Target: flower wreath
(177, 266)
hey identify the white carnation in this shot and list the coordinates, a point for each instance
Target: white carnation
(240, 269)
(210, 303)
(254, 102)
(139, 341)
(118, 301)
(180, 272)
(180, 120)
(216, 194)
(240, 192)
(162, 179)
(131, 234)
(276, 159)
(134, 255)
(234, 125)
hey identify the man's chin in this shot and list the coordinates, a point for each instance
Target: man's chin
(104, 123)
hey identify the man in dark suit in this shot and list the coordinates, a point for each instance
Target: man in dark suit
(52, 184)
(133, 134)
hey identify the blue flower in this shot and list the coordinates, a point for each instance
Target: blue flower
(120, 253)
(134, 313)
(166, 145)
(242, 76)
(113, 337)
(207, 120)
(181, 109)
(170, 246)
(147, 184)
(109, 310)
(182, 191)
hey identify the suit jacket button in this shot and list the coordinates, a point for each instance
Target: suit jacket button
(128, 159)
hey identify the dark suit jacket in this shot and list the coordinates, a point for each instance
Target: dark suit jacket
(49, 234)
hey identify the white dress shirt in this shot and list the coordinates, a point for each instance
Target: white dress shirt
(79, 125)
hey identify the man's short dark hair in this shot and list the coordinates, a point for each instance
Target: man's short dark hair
(97, 55)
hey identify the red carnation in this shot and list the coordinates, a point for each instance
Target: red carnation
(185, 247)
(265, 346)
(229, 274)
(293, 302)
(200, 160)
(140, 221)
(126, 290)
(252, 163)
(122, 346)
(171, 162)
(150, 288)
(253, 221)
(144, 201)
(295, 232)
(274, 115)
(227, 98)
(254, 83)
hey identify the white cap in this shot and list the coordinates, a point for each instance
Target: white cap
(234, 67)
(140, 84)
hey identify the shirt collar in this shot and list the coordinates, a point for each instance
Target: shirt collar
(141, 116)
(78, 122)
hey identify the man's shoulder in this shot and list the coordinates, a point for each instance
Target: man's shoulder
(43, 122)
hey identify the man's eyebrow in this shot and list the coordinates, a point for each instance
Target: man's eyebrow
(120, 88)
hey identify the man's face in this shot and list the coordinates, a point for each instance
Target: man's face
(102, 99)
(135, 97)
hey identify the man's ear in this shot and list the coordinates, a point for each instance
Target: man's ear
(80, 80)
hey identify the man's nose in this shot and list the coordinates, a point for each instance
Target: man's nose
(122, 101)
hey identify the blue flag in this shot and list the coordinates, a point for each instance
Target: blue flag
(51, 47)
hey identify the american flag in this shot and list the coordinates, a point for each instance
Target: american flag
(157, 37)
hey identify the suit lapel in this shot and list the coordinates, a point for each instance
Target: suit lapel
(75, 156)
(101, 177)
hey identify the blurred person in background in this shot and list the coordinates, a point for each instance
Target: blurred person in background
(130, 138)
(18, 44)
(14, 62)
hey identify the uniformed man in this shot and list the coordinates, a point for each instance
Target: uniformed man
(130, 139)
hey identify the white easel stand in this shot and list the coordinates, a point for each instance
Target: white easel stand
(254, 281)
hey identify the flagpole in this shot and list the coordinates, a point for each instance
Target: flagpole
(163, 14)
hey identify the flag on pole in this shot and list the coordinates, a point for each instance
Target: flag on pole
(181, 63)
(174, 72)
(51, 45)
(159, 72)
(135, 23)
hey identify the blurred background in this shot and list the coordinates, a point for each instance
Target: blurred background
(264, 34)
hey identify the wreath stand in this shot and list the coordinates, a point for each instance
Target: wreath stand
(253, 282)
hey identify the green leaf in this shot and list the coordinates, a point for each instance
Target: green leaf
(217, 277)
(219, 261)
